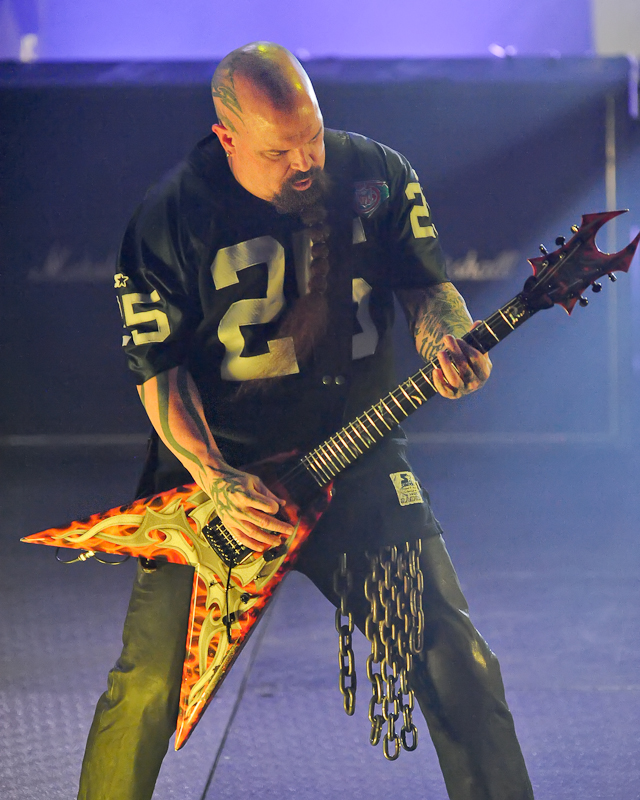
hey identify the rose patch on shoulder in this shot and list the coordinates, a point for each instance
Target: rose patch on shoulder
(407, 488)
(369, 196)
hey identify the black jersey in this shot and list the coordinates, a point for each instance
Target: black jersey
(206, 271)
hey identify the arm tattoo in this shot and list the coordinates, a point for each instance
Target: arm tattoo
(432, 313)
(187, 402)
(175, 410)
(163, 412)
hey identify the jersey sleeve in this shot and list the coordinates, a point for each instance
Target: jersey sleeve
(156, 286)
(415, 256)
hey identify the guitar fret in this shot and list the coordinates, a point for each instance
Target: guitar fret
(353, 441)
(358, 434)
(486, 325)
(326, 458)
(384, 421)
(349, 446)
(325, 465)
(417, 388)
(369, 441)
(332, 458)
(358, 452)
(344, 453)
(389, 412)
(366, 413)
(315, 473)
(319, 467)
(337, 453)
(408, 396)
(397, 402)
(506, 319)
(428, 380)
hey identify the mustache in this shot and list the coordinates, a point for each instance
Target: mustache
(313, 172)
(290, 200)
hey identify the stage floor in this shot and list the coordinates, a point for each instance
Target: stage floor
(546, 546)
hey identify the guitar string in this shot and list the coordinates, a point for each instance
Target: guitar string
(328, 463)
(337, 455)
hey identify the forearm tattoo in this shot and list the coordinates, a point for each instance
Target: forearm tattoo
(178, 415)
(184, 393)
(433, 313)
(164, 391)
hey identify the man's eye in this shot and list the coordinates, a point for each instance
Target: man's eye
(277, 153)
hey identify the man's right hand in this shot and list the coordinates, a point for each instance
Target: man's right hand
(246, 507)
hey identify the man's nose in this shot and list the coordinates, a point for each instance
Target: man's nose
(301, 160)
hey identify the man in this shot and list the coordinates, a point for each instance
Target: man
(256, 285)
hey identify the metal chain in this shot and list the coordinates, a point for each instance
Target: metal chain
(395, 628)
(342, 585)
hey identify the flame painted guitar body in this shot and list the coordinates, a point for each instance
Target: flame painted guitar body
(232, 585)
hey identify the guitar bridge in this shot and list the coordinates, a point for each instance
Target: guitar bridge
(224, 544)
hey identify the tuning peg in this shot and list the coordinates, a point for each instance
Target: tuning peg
(560, 240)
(583, 302)
(574, 229)
(544, 250)
(612, 277)
(596, 287)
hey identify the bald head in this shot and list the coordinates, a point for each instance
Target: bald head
(255, 77)
(270, 124)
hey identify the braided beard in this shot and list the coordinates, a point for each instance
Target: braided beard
(306, 321)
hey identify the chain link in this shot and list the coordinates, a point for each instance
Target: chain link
(342, 586)
(395, 628)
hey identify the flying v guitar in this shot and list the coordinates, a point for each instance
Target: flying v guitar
(232, 585)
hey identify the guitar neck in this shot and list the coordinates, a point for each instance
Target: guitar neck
(353, 440)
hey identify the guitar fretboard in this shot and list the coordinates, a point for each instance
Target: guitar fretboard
(361, 434)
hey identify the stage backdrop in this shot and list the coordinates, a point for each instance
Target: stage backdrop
(510, 153)
(87, 30)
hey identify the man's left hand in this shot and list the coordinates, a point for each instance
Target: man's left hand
(463, 369)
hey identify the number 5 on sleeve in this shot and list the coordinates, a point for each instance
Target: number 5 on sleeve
(133, 318)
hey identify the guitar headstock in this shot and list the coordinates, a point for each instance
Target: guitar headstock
(560, 278)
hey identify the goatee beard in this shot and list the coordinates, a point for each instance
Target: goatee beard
(294, 201)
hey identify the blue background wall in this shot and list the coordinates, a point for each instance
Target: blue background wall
(163, 29)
